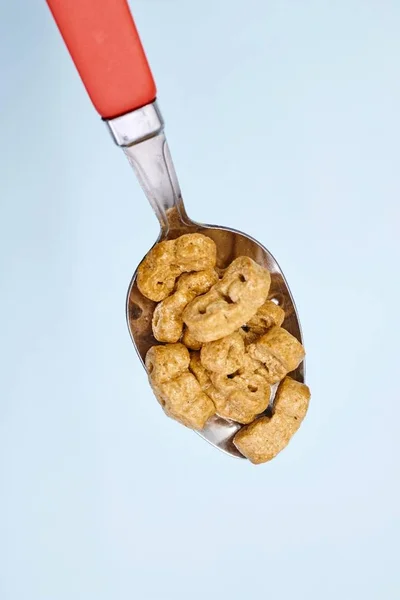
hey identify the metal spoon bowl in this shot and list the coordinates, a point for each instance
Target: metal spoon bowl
(140, 133)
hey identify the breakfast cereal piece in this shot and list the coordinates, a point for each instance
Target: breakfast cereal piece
(241, 397)
(189, 340)
(168, 259)
(223, 356)
(279, 351)
(230, 303)
(199, 371)
(268, 315)
(203, 377)
(167, 317)
(166, 362)
(176, 389)
(263, 439)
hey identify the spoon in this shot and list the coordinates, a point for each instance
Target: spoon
(104, 44)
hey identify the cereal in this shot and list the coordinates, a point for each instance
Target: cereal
(263, 439)
(164, 363)
(268, 315)
(241, 397)
(230, 303)
(167, 318)
(176, 389)
(199, 371)
(203, 377)
(279, 351)
(195, 252)
(238, 347)
(183, 400)
(223, 356)
(189, 340)
(168, 259)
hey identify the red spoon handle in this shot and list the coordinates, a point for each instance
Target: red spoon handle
(104, 44)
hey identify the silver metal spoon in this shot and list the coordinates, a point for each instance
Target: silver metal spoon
(141, 135)
(104, 44)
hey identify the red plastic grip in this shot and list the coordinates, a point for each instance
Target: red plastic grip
(104, 44)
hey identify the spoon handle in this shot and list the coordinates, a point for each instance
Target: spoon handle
(104, 44)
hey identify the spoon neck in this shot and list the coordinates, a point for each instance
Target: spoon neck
(141, 135)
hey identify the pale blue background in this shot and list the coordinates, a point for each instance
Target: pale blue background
(283, 120)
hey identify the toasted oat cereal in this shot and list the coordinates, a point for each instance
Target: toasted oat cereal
(176, 389)
(168, 259)
(230, 303)
(279, 351)
(263, 439)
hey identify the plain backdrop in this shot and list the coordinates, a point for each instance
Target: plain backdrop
(283, 120)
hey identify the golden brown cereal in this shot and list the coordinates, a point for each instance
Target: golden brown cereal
(263, 439)
(292, 399)
(199, 371)
(190, 341)
(238, 347)
(241, 397)
(168, 259)
(195, 252)
(223, 356)
(268, 315)
(183, 400)
(177, 390)
(250, 365)
(203, 377)
(167, 317)
(157, 272)
(230, 303)
(279, 351)
(164, 363)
